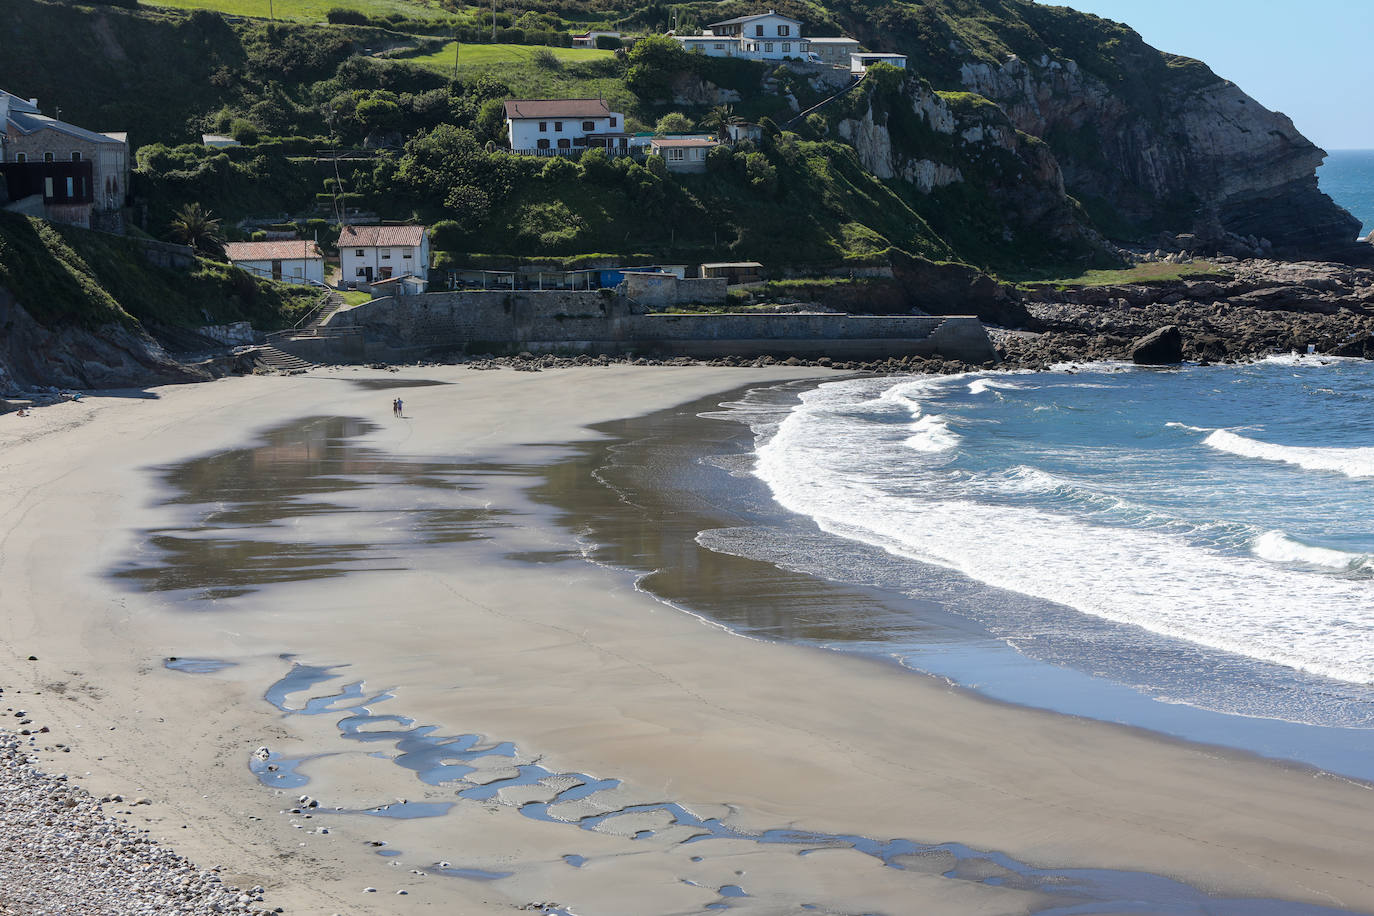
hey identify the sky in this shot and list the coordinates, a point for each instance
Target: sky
(1311, 59)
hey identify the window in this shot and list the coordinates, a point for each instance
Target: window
(71, 188)
(610, 122)
(767, 47)
(675, 154)
(360, 273)
(543, 127)
(357, 252)
(386, 254)
(564, 143)
(543, 144)
(758, 31)
(784, 30)
(406, 252)
(21, 157)
(720, 46)
(47, 157)
(786, 47)
(76, 156)
(558, 127)
(47, 188)
(589, 125)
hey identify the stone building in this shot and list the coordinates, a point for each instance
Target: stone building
(82, 176)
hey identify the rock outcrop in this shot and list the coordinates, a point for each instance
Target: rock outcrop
(1202, 154)
(1163, 347)
(113, 356)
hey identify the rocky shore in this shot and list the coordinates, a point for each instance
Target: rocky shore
(65, 851)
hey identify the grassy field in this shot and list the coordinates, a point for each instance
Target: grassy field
(488, 56)
(1154, 272)
(306, 10)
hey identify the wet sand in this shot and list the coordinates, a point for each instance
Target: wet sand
(521, 655)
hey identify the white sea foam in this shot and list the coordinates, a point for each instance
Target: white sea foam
(932, 434)
(1352, 462)
(1278, 547)
(826, 463)
(984, 385)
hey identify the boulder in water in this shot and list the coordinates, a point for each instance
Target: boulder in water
(1162, 347)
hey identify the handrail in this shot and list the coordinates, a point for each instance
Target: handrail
(824, 102)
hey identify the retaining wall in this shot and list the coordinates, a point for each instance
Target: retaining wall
(602, 322)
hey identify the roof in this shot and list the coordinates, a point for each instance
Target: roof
(288, 250)
(868, 54)
(382, 236)
(557, 108)
(835, 41)
(18, 104)
(732, 264)
(684, 141)
(27, 122)
(740, 20)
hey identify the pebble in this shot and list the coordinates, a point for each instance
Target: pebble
(73, 858)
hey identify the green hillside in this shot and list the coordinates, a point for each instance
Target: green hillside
(68, 276)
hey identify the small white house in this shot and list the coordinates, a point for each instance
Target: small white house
(218, 141)
(683, 154)
(588, 39)
(292, 261)
(368, 253)
(545, 126)
(859, 63)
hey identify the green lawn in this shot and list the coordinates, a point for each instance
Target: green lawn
(1153, 272)
(306, 10)
(485, 56)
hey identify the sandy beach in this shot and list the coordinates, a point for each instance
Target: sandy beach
(582, 674)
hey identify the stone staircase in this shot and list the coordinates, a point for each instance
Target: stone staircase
(331, 304)
(272, 358)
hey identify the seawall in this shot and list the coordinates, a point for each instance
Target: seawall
(600, 321)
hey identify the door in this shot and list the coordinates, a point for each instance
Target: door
(276, 270)
(367, 274)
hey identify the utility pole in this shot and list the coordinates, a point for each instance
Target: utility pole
(455, 55)
(493, 21)
(271, 14)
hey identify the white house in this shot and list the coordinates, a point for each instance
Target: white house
(291, 261)
(368, 253)
(683, 154)
(859, 63)
(536, 125)
(762, 36)
(588, 39)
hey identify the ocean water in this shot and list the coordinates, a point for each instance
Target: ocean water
(1187, 550)
(1348, 177)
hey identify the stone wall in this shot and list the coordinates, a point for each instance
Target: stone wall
(601, 322)
(660, 290)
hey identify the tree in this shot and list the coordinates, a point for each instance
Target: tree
(198, 228)
(654, 61)
(674, 122)
(244, 131)
(760, 172)
(718, 117)
(379, 116)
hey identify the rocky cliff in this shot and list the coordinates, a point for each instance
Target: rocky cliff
(1146, 141)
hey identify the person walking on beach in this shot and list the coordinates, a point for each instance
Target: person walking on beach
(400, 408)
(395, 407)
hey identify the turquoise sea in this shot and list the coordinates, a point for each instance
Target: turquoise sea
(1348, 177)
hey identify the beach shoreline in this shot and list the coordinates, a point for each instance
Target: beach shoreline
(580, 672)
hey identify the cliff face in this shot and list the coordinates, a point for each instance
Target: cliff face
(971, 170)
(1147, 141)
(1209, 160)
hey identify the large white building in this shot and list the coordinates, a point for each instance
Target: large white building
(368, 253)
(290, 261)
(762, 36)
(539, 125)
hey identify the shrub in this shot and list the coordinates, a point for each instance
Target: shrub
(656, 165)
(654, 62)
(244, 131)
(379, 115)
(760, 172)
(559, 168)
(340, 16)
(596, 166)
(547, 60)
(720, 158)
(674, 122)
(608, 43)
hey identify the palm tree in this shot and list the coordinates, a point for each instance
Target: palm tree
(718, 117)
(198, 228)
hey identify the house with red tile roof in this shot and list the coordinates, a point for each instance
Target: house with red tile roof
(368, 253)
(290, 260)
(549, 127)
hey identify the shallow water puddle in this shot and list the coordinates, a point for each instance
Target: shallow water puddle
(587, 802)
(289, 509)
